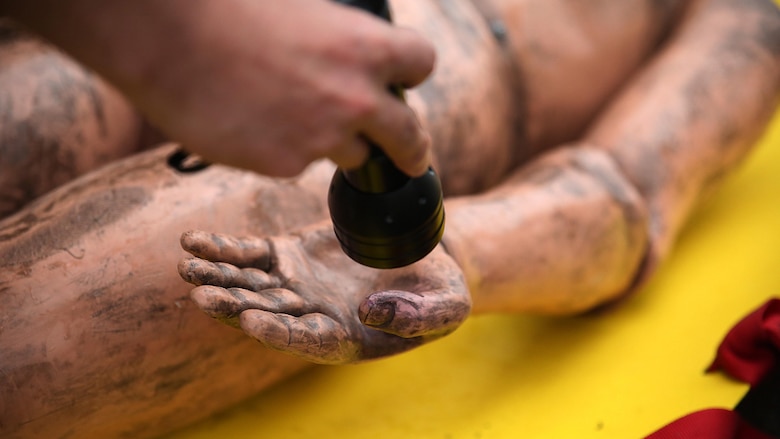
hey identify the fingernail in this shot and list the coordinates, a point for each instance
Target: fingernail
(379, 314)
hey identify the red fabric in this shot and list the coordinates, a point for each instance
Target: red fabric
(752, 347)
(709, 424)
(749, 352)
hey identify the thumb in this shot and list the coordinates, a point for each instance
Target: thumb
(407, 314)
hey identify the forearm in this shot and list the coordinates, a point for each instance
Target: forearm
(560, 236)
(579, 227)
(695, 112)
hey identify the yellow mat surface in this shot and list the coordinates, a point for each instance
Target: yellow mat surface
(621, 374)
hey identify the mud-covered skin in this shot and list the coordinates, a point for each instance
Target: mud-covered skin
(541, 81)
(57, 120)
(299, 294)
(457, 92)
(573, 56)
(692, 115)
(99, 337)
(471, 100)
(566, 233)
(102, 338)
(583, 200)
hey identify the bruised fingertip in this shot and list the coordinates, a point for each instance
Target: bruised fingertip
(376, 313)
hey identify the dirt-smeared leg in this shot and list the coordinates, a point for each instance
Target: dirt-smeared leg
(57, 120)
(99, 337)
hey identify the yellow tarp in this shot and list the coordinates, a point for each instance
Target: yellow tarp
(621, 374)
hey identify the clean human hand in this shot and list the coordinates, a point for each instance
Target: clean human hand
(300, 294)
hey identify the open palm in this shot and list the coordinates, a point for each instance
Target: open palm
(300, 294)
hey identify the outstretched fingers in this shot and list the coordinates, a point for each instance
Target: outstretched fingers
(227, 304)
(314, 337)
(241, 252)
(407, 314)
(201, 272)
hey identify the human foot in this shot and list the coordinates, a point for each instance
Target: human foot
(300, 294)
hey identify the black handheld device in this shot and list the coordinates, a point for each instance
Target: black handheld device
(382, 217)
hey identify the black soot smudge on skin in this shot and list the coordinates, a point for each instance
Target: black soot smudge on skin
(67, 229)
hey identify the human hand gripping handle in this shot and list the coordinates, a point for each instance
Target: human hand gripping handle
(382, 217)
(184, 162)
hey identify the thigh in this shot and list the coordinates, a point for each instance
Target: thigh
(58, 120)
(99, 336)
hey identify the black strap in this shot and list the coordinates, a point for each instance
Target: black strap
(760, 407)
(183, 162)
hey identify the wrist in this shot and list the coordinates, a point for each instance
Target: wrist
(454, 242)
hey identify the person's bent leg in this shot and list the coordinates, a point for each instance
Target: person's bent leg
(99, 337)
(576, 196)
(575, 228)
(687, 120)
(58, 120)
